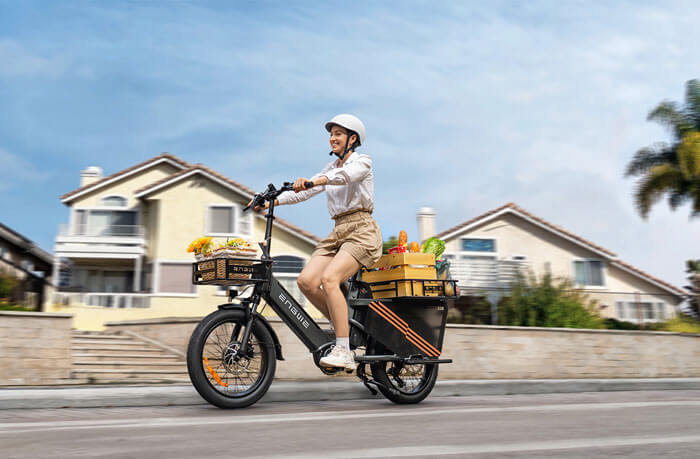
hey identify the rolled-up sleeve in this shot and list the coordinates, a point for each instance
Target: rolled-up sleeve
(292, 197)
(349, 172)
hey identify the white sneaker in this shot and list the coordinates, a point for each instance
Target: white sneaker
(339, 357)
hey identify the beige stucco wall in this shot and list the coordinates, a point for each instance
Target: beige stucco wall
(516, 236)
(34, 348)
(493, 352)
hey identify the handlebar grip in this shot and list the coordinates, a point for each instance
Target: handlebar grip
(308, 184)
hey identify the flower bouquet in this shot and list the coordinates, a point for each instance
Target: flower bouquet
(201, 247)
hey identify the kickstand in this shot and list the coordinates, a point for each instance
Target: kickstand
(363, 376)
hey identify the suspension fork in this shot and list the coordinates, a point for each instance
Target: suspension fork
(249, 319)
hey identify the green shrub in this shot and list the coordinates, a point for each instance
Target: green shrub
(614, 324)
(7, 285)
(546, 303)
(681, 325)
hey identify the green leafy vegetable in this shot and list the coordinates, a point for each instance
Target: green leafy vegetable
(435, 246)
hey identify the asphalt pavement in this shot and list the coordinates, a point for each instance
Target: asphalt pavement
(639, 424)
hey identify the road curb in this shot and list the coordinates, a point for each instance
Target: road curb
(288, 391)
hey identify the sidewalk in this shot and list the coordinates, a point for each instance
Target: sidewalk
(293, 391)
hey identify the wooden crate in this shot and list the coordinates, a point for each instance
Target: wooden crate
(401, 266)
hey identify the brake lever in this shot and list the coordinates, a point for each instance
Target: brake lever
(255, 202)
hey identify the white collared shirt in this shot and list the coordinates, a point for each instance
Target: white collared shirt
(349, 187)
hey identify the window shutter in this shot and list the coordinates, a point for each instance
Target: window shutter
(245, 223)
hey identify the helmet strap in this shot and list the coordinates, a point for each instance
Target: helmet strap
(347, 148)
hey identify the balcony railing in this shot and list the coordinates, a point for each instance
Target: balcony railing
(106, 300)
(102, 231)
(486, 273)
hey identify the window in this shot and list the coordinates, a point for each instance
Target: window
(287, 264)
(478, 245)
(620, 310)
(105, 222)
(227, 220)
(632, 311)
(286, 269)
(588, 272)
(661, 311)
(221, 220)
(3, 251)
(175, 278)
(114, 201)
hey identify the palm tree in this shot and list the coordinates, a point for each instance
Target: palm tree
(671, 169)
(693, 270)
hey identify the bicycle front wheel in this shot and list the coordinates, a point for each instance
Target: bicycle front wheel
(224, 376)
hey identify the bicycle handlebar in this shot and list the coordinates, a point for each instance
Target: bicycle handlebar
(271, 193)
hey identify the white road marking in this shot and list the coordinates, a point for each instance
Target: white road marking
(531, 446)
(19, 427)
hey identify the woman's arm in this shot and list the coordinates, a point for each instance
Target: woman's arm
(293, 197)
(350, 172)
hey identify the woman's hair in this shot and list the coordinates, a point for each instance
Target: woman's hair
(356, 143)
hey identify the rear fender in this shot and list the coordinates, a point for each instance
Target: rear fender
(261, 319)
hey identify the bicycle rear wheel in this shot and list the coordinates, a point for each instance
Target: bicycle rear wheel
(407, 383)
(221, 374)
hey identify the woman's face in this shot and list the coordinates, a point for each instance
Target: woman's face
(339, 135)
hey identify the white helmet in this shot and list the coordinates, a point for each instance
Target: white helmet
(349, 122)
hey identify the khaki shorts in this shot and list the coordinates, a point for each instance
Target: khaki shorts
(356, 233)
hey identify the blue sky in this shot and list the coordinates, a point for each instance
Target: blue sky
(468, 105)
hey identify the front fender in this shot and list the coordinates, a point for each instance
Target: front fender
(263, 320)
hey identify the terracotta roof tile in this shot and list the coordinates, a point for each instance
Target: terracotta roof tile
(519, 209)
(200, 167)
(117, 174)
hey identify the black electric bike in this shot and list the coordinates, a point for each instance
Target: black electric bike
(232, 353)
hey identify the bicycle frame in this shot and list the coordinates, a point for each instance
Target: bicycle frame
(276, 296)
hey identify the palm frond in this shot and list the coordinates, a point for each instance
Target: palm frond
(689, 156)
(668, 114)
(648, 157)
(692, 102)
(660, 180)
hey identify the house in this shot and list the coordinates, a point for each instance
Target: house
(28, 265)
(488, 251)
(126, 237)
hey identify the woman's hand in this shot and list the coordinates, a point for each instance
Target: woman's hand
(259, 208)
(299, 184)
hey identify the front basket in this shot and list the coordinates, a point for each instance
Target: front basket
(228, 271)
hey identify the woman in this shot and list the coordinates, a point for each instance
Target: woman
(356, 239)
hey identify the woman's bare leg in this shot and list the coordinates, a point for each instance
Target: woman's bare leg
(309, 282)
(342, 266)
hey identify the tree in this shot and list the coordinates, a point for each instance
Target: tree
(546, 303)
(693, 270)
(671, 169)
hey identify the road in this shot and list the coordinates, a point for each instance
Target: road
(626, 424)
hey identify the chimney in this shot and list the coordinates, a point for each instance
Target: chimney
(426, 223)
(90, 175)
